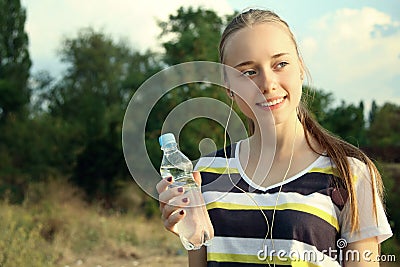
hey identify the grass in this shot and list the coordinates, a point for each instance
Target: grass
(391, 179)
(55, 227)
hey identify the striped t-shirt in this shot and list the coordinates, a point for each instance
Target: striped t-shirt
(309, 227)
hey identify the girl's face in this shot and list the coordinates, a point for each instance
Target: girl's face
(265, 54)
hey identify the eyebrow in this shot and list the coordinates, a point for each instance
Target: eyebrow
(245, 63)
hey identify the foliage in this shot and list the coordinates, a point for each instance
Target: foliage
(20, 240)
(318, 102)
(28, 153)
(89, 101)
(190, 35)
(384, 127)
(14, 99)
(194, 35)
(55, 227)
(14, 59)
(347, 121)
(390, 175)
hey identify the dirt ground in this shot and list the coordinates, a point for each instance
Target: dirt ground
(106, 261)
(156, 261)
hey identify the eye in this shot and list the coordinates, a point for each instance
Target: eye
(248, 72)
(281, 65)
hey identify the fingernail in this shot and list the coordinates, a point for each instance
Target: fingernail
(184, 200)
(182, 212)
(180, 189)
(169, 179)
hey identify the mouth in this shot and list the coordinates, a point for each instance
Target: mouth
(272, 103)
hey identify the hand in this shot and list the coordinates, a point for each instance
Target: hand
(172, 202)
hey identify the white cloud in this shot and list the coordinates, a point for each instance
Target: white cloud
(49, 21)
(355, 54)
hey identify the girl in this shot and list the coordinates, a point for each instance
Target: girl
(303, 198)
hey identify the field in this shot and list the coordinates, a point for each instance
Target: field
(56, 227)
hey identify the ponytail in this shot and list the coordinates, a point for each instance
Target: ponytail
(338, 151)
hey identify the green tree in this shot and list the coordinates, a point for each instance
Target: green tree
(93, 81)
(89, 103)
(372, 112)
(14, 59)
(15, 131)
(347, 121)
(190, 35)
(195, 35)
(384, 128)
(318, 102)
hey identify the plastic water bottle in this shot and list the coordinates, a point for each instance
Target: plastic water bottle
(195, 229)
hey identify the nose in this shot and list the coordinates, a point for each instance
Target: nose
(266, 81)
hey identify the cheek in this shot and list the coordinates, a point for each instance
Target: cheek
(297, 91)
(293, 85)
(244, 107)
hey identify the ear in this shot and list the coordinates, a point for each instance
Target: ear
(229, 92)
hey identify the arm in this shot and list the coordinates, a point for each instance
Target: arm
(198, 258)
(367, 250)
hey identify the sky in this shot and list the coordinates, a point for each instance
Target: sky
(351, 47)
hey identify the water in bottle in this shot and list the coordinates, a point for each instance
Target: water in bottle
(195, 229)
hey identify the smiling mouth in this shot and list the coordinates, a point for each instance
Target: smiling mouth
(271, 103)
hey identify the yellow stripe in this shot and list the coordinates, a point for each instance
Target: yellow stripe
(244, 258)
(327, 170)
(330, 170)
(286, 206)
(220, 170)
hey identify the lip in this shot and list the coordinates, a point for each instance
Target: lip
(280, 100)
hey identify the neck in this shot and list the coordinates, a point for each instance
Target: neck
(286, 135)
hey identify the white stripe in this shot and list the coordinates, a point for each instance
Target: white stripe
(323, 162)
(289, 248)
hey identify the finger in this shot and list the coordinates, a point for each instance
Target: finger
(167, 195)
(173, 206)
(172, 220)
(163, 184)
(197, 177)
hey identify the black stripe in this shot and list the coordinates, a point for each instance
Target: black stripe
(288, 224)
(307, 184)
(222, 183)
(310, 183)
(323, 183)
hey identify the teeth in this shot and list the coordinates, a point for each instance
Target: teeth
(271, 103)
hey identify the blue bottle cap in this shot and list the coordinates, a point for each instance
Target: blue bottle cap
(166, 139)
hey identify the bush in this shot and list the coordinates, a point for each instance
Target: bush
(21, 243)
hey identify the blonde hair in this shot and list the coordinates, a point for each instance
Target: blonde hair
(337, 149)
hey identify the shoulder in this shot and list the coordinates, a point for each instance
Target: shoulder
(357, 167)
(359, 170)
(217, 158)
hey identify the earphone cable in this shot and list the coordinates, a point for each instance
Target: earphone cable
(269, 229)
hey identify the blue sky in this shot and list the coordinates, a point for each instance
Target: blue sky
(352, 48)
